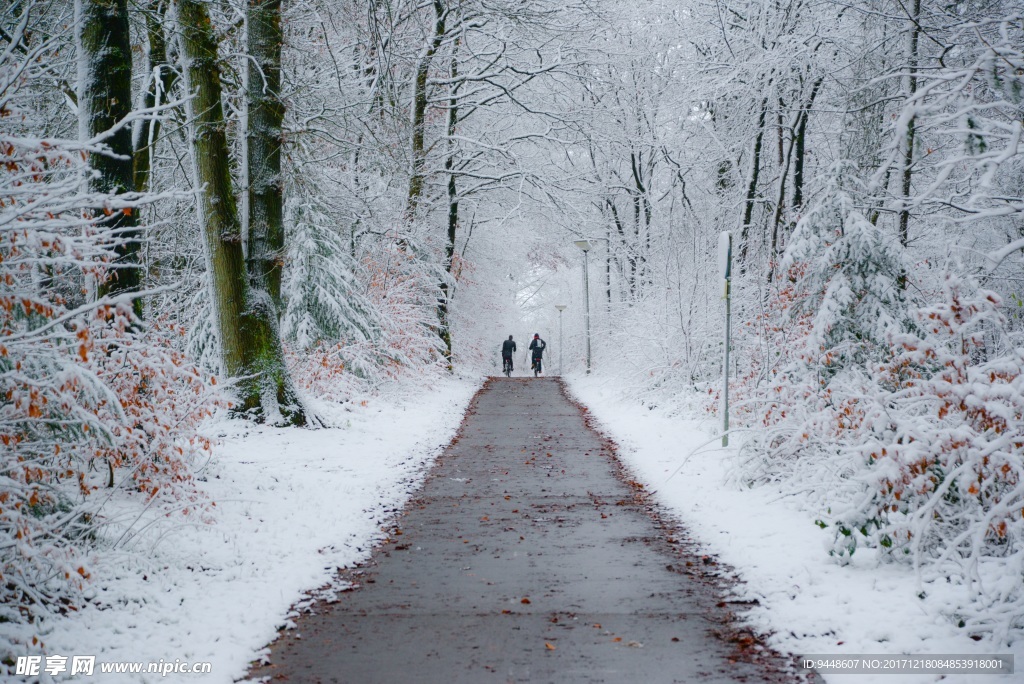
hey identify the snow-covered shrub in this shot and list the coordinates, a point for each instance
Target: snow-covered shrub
(201, 341)
(404, 290)
(371, 338)
(330, 327)
(90, 399)
(829, 322)
(901, 425)
(941, 459)
(324, 299)
(763, 341)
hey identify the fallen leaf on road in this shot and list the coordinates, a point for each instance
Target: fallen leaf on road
(525, 600)
(548, 645)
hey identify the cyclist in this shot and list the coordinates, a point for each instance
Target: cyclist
(537, 347)
(508, 348)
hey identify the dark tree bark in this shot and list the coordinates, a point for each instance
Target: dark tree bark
(908, 141)
(246, 318)
(265, 137)
(642, 208)
(801, 144)
(419, 111)
(444, 304)
(621, 229)
(755, 170)
(780, 204)
(106, 99)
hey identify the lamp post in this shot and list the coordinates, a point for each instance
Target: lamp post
(586, 247)
(561, 308)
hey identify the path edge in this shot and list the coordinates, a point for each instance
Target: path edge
(675, 540)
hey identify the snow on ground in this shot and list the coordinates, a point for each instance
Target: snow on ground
(806, 602)
(292, 506)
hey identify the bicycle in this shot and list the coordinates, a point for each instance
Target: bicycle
(536, 367)
(507, 369)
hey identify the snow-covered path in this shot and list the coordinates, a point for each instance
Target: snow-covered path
(523, 558)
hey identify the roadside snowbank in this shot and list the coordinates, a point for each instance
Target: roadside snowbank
(292, 506)
(805, 601)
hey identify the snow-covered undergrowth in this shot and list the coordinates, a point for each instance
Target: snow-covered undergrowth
(806, 601)
(90, 400)
(291, 507)
(895, 410)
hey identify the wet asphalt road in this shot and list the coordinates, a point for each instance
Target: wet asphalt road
(523, 559)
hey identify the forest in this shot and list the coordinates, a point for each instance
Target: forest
(262, 208)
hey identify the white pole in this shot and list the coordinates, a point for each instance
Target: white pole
(725, 374)
(586, 247)
(586, 299)
(725, 270)
(561, 308)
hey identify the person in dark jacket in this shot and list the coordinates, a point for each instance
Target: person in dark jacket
(508, 348)
(537, 347)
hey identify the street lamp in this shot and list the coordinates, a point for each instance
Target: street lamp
(586, 247)
(561, 308)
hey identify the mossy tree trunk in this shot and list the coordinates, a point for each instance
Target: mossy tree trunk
(419, 111)
(246, 316)
(105, 99)
(265, 137)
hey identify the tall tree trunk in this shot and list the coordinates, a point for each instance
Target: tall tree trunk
(755, 171)
(780, 203)
(104, 100)
(419, 112)
(634, 262)
(630, 257)
(264, 139)
(801, 144)
(910, 89)
(444, 303)
(608, 268)
(161, 81)
(644, 203)
(906, 175)
(246, 318)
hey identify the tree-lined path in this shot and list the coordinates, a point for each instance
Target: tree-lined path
(523, 559)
